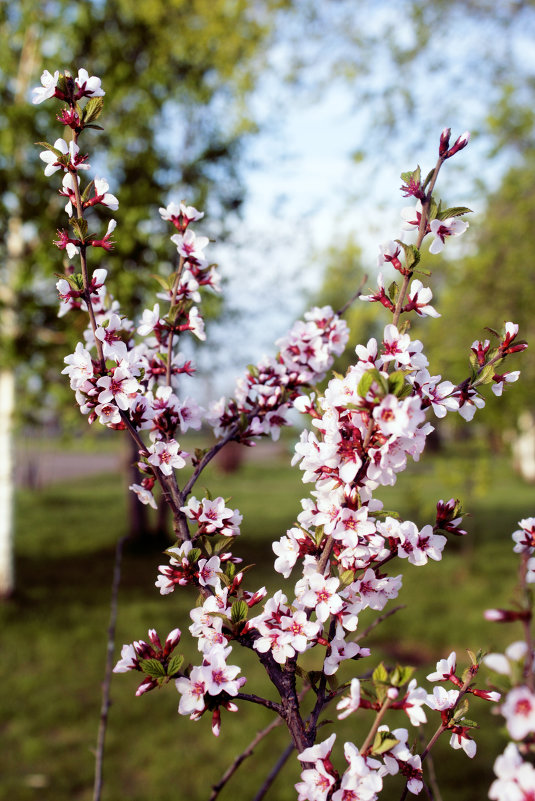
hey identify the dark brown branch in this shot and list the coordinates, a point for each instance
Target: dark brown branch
(256, 699)
(355, 297)
(273, 773)
(231, 770)
(377, 621)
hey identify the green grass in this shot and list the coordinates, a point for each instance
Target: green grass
(54, 634)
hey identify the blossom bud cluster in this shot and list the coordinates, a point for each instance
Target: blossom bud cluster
(266, 393)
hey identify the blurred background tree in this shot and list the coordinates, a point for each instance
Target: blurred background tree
(182, 75)
(179, 73)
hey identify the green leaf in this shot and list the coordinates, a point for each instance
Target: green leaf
(152, 668)
(230, 570)
(384, 741)
(453, 211)
(165, 283)
(75, 281)
(319, 534)
(373, 375)
(401, 675)
(412, 254)
(174, 312)
(303, 674)
(428, 178)
(92, 109)
(413, 175)
(470, 724)
(62, 83)
(365, 383)
(79, 226)
(175, 663)
(485, 376)
(461, 711)
(53, 149)
(332, 681)
(87, 191)
(396, 382)
(347, 578)
(194, 555)
(393, 291)
(380, 674)
(239, 611)
(434, 210)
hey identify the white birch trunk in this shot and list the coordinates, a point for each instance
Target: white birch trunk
(7, 403)
(524, 447)
(14, 250)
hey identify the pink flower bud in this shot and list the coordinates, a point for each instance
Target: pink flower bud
(460, 143)
(444, 142)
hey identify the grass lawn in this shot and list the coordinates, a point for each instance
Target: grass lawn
(54, 634)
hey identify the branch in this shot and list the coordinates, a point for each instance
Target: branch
(256, 699)
(106, 685)
(373, 731)
(422, 230)
(273, 773)
(350, 302)
(206, 459)
(231, 770)
(377, 621)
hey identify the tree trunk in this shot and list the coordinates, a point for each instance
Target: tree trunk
(7, 403)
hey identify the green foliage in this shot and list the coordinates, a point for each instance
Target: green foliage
(493, 284)
(179, 73)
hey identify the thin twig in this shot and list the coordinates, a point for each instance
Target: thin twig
(422, 230)
(231, 770)
(206, 459)
(355, 297)
(273, 773)
(106, 685)
(434, 790)
(377, 621)
(256, 699)
(373, 731)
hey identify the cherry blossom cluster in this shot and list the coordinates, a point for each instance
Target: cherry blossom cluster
(266, 393)
(364, 429)
(364, 774)
(514, 673)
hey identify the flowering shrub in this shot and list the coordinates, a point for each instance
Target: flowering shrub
(515, 676)
(364, 428)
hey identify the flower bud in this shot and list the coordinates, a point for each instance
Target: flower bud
(444, 142)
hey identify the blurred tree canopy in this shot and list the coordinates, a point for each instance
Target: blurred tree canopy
(492, 284)
(177, 76)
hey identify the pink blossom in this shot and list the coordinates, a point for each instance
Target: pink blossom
(321, 596)
(518, 710)
(88, 86)
(47, 88)
(167, 456)
(443, 228)
(445, 669)
(144, 495)
(442, 699)
(349, 703)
